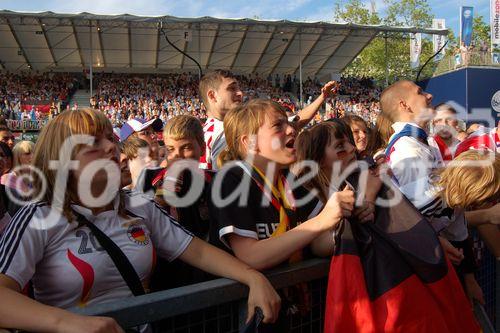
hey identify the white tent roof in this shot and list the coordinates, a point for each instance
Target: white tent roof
(125, 43)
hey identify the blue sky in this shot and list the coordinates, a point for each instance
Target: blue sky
(310, 10)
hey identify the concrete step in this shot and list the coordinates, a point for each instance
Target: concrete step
(81, 97)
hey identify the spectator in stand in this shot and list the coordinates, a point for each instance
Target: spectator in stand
(7, 137)
(140, 157)
(446, 127)
(145, 130)
(379, 138)
(7, 158)
(360, 133)
(28, 89)
(125, 175)
(464, 54)
(22, 155)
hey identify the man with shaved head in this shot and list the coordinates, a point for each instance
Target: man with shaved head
(408, 154)
(409, 109)
(413, 163)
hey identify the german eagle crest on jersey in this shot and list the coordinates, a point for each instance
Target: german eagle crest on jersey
(137, 234)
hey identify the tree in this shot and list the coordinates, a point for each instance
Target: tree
(372, 60)
(480, 31)
(410, 13)
(355, 12)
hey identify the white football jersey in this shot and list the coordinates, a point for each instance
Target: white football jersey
(67, 265)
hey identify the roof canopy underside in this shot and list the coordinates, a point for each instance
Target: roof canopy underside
(61, 42)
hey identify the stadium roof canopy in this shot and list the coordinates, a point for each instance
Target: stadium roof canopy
(125, 43)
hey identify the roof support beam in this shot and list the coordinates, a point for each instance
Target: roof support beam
(23, 53)
(99, 35)
(230, 54)
(44, 31)
(183, 55)
(129, 46)
(171, 57)
(284, 51)
(333, 53)
(185, 47)
(239, 48)
(78, 43)
(304, 58)
(257, 64)
(212, 47)
(157, 47)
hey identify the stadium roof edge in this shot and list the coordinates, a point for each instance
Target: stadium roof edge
(210, 19)
(54, 41)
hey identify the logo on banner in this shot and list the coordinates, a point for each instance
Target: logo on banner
(415, 49)
(466, 17)
(439, 40)
(495, 22)
(26, 125)
(495, 101)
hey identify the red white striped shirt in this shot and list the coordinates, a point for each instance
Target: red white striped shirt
(214, 138)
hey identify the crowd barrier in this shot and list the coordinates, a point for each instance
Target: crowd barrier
(455, 61)
(220, 305)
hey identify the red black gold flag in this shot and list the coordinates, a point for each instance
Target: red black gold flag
(392, 276)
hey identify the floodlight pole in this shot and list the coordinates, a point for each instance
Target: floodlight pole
(91, 60)
(300, 70)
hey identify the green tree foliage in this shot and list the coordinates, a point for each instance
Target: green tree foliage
(480, 31)
(372, 60)
(355, 12)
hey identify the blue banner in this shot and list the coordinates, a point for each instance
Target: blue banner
(466, 20)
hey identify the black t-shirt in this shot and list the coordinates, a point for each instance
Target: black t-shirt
(257, 218)
(194, 218)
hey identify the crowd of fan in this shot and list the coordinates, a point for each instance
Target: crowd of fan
(258, 134)
(32, 89)
(127, 96)
(123, 97)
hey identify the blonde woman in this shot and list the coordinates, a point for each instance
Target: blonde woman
(262, 142)
(22, 155)
(48, 240)
(472, 182)
(275, 223)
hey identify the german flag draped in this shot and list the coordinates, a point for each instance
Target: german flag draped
(392, 276)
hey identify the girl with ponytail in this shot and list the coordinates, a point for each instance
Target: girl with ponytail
(269, 222)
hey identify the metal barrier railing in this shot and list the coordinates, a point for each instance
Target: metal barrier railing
(455, 61)
(175, 302)
(220, 305)
(483, 319)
